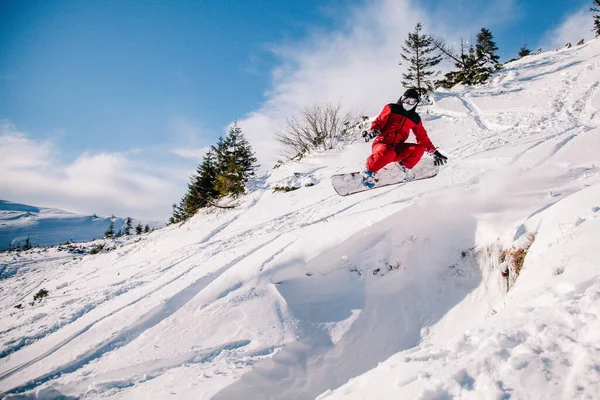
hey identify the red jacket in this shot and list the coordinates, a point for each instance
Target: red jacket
(395, 124)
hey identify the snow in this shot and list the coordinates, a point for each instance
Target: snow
(394, 293)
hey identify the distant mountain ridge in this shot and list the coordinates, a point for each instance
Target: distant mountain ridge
(48, 226)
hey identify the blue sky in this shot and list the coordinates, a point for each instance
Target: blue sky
(140, 88)
(126, 70)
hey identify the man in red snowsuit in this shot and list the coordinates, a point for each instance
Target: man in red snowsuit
(391, 128)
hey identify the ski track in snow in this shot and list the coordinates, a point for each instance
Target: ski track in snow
(293, 295)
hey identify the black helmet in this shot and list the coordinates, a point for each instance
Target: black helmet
(411, 94)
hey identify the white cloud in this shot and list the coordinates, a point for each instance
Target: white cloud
(194, 154)
(105, 183)
(573, 28)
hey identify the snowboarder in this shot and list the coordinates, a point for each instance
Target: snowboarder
(390, 130)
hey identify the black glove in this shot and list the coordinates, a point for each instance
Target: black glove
(368, 135)
(439, 158)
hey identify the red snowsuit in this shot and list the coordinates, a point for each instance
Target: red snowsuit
(395, 124)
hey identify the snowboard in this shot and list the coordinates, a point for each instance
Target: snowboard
(391, 174)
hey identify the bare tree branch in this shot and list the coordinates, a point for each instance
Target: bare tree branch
(440, 44)
(319, 127)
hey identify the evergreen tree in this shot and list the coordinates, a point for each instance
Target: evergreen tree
(235, 163)
(146, 229)
(596, 9)
(475, 64)
(486, 50)
(244, 157)
(127, 228)
(178, 212)
(202, 191)
(27, 245)
(138, 229)
(224, 171)
(417, 52)
(524, 51)
(467, 66)
(110, 232)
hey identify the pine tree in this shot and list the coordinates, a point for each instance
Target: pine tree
(201, 189)
(417, 52)
(146, 229)
(475, 65)
(466, 63)
(486, 50)
(27, 245)
(178, 212)
(596, 9)
(524, 51)
(225, 170)
(138, 229)
(127, 228)
(110, 232)
(235, 163)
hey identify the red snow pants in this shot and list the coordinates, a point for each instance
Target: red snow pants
(383, 154)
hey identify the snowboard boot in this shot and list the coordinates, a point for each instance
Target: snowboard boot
(369, 179)
(408, 173)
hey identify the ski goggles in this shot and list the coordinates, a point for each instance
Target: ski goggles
(410, 101)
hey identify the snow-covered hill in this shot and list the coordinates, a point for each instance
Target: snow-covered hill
(395, 293)
(48, 226)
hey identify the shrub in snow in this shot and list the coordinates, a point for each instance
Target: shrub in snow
(285, 188)
(559, 271)
(96, 249)
(319, 127)
(524, 51)
(40, 295)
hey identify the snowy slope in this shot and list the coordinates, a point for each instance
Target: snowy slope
(394, 293)
(48, 226)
